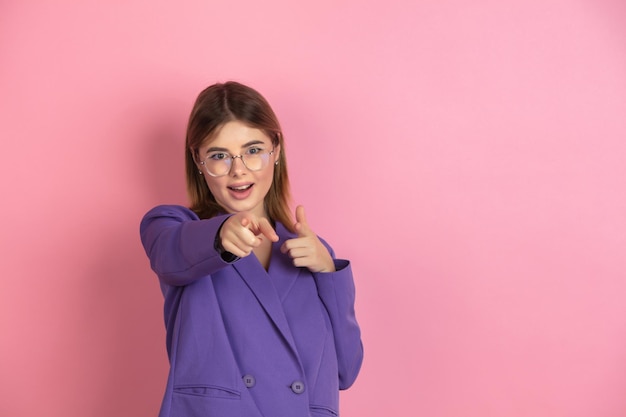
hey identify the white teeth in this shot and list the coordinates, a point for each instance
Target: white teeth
(243, 187)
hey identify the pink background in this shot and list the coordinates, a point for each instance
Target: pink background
(468, 157)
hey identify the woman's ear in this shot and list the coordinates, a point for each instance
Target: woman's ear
(194, 156)
(276, 154)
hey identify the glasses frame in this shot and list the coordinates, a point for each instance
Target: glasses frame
(231, 160)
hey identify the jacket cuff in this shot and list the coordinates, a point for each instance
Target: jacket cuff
(224, 254)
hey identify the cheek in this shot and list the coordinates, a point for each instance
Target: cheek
(269, 176)
(214, 184)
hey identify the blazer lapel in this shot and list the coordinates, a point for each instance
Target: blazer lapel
(259, 282)
(282, 272)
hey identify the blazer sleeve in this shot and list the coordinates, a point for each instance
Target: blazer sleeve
(337, 292)
(180, 246)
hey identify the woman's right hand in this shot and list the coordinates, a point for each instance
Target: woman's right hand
(242, 232)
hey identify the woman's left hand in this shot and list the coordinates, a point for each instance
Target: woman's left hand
(307, 250)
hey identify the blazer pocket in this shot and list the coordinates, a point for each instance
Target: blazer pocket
(321, 411)
(206, 401)
(208, 391)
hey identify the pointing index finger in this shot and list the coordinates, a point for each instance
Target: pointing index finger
(266, 229)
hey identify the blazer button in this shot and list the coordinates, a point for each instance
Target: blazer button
(297, 387)
(249, 381)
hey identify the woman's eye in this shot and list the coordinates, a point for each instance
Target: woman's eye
(218, 156)
(254, 151)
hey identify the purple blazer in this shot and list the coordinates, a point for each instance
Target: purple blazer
(243, 341)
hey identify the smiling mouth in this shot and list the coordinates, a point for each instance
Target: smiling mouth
(241, 188)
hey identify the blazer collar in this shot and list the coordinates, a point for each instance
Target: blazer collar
(270, 291)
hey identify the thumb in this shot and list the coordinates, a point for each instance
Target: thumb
(244, 221)
(302, 227)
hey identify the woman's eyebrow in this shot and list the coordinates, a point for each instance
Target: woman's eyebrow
(216, 149)
(252, 142)
(245, 145)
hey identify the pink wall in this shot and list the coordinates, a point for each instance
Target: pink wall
(468, 157)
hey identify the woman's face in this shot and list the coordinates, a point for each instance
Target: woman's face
(240, 189)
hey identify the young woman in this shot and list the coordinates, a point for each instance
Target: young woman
(259, 313)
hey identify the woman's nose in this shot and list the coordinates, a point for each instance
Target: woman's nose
(237, 166)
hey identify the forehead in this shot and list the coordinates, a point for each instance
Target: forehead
(235, 135)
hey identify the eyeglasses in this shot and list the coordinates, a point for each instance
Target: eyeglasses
(218, 164)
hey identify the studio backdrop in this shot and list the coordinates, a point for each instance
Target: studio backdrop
(468, 158)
